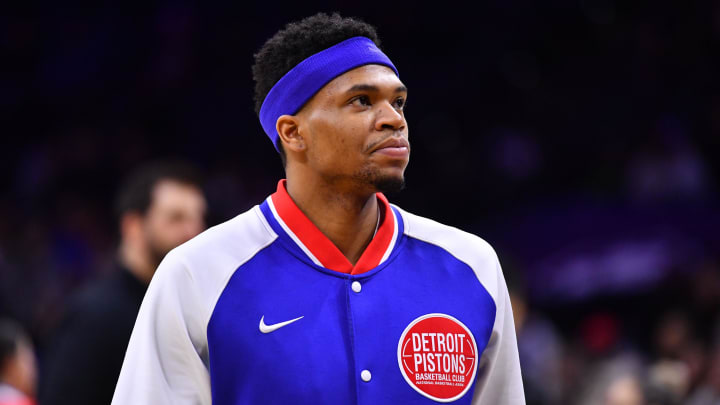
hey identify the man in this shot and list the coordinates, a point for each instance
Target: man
(325, 293)
(160, 206)
(18, 374)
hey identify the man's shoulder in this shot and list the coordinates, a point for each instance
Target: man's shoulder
(111, 292)
(223, 247)
(247, 231)
(466, 247)
(104, 309)
(446, 236)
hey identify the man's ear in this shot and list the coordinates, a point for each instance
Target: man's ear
(131, 225)
(289, 130)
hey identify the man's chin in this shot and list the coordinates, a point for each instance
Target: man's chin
(158, 254)
(390, 185)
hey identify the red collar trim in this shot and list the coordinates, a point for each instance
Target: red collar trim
(320, 249)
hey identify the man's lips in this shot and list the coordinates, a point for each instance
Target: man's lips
(394, 147)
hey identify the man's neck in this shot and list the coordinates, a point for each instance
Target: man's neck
(136, 262)
(349, 219)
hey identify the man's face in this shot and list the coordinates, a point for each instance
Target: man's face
(176, 214)
(356, 131)
(20, 369)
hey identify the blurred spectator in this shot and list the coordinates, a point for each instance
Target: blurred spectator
(160, 206)
(626, 390)
(613, 379)
(668, 383)
(17, 366)
(673, 334)
(708, 393)
(676, 341)
(540, 348)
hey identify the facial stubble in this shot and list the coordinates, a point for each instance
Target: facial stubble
(383, 183)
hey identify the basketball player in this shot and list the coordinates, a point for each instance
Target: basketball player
(326, 293)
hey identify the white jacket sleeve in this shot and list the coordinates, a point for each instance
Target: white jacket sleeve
(166, 361)
(499, 381)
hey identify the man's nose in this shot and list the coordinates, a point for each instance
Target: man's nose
(388, 117)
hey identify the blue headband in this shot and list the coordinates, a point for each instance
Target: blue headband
(298, 85)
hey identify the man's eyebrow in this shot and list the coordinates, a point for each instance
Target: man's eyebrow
(370, 87)
(362, 87)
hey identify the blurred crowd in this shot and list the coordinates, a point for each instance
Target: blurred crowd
(579, 138)
(663, 351)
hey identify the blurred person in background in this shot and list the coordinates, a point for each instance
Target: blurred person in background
(540, 348)
(625, 389)
(18, 374)
(708, 391)
(159, 207)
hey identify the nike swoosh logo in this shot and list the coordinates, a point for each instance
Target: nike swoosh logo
(269, 328)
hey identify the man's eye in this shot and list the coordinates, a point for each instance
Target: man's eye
(400, 103)
(361, 100)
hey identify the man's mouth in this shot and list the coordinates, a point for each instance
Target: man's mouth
(394, 147)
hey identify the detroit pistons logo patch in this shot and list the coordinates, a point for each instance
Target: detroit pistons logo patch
(437, 355)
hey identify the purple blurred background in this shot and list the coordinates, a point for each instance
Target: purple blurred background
(580, 138)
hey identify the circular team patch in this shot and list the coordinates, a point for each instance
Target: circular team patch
(437, 355)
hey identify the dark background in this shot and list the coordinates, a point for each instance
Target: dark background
(580, 138)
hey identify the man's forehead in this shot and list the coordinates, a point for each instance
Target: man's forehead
(170, 191)
(378, 76)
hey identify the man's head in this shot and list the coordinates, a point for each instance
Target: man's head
(17, 358)
(160, 206)
(352, 131)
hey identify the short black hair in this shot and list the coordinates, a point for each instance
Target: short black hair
(135, 193)
(298, 41)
